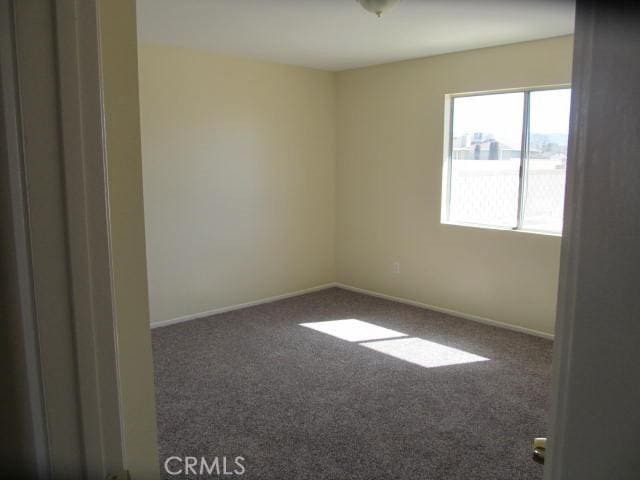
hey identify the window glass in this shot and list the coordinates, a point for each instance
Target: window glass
(546, 168)
(507, 169)
(485, 159)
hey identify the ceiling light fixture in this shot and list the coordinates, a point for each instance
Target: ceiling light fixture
(377, 6)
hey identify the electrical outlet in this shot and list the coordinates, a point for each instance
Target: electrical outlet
(396, 267)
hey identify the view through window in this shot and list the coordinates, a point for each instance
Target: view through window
(507, 160)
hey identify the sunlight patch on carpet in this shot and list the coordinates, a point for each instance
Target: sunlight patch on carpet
(353, 330)
(396, 344)
(423, 352)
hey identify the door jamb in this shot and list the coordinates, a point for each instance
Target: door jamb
(82, 166)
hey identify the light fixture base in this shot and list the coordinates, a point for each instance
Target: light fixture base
(377, 6)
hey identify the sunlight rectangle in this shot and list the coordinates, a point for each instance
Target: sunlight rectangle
(422, 352)
(353, 330)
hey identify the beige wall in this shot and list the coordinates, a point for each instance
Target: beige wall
(390, 155)
(239, 179)
(248, 165)
(124, 168)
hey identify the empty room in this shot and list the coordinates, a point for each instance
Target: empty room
(353, 224)
(320, 239)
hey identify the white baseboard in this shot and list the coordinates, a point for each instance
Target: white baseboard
(466, 316)
(195, 316)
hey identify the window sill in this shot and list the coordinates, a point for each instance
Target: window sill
(503, 229)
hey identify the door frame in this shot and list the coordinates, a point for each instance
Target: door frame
(67, 315)
(594, 422)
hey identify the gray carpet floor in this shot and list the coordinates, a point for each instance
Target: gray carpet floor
(301, 404)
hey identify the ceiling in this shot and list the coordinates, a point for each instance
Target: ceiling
(340, 34)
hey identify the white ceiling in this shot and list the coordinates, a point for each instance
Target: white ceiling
(340, 34)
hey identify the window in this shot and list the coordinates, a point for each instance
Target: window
(506, 160)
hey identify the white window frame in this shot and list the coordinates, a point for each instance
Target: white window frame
(524, 157)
